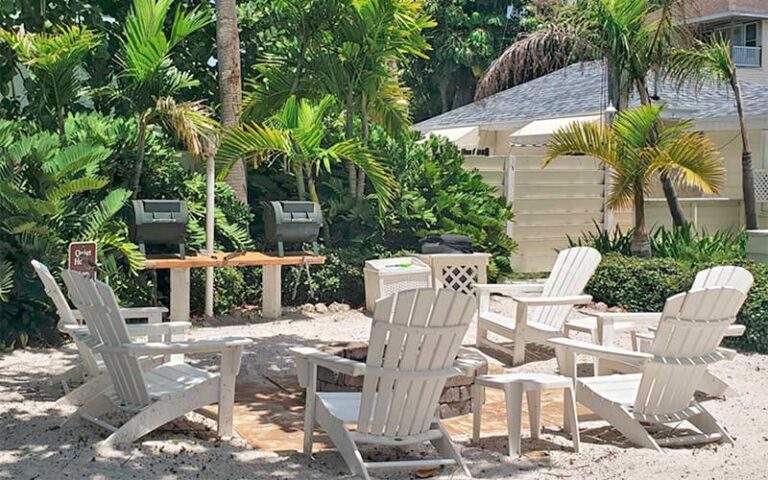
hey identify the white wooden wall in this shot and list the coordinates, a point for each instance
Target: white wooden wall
(564, 199)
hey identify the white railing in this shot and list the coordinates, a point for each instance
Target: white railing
(746, 56)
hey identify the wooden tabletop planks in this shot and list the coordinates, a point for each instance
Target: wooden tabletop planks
(219, 259)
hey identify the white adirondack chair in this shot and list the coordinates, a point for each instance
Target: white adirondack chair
(415, 337)
(722, 276)
(157, 396)
(92, 370)
(691, 328)
(541, 317)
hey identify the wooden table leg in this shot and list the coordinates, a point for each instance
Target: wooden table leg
(179, 306)
(271, 290)
(179, 295)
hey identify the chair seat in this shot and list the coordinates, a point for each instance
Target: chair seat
(620, 388)
(509, 322)
(343, 405)
(164, 381)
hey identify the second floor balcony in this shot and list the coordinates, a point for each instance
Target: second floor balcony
(747, 56)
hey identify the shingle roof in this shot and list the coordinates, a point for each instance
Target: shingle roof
(578, 90)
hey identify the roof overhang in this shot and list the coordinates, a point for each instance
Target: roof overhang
(736, 15)
(538, 132)
(463, 137)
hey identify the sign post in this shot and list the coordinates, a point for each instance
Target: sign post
(82, 258)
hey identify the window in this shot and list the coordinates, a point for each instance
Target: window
(750, 35)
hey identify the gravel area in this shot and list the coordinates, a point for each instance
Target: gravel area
(34, 446)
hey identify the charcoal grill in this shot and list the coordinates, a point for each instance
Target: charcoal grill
(291, 222)
(159, 222)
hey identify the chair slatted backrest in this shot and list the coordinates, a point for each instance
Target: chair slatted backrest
(690, 330)
(572, 270)
(66, 317)
(415, 337)
(724, 276)
(97, 303)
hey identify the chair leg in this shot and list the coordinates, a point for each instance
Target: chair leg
(85, 392)
(94, 408)
(533, 397)
(707, 424)
(571, 417)
(445, 446)
(161, 412)
(514, 398)
(477, 409)
(341, 438)
(519, 351)
(309, 409)
(713, 386)
(622, 421)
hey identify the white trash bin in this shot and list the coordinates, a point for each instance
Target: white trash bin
(389, 275)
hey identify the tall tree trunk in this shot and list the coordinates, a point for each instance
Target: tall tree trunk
(747, 172)
(670, 194)
(641, 246)
(349, 132)
(298, 173)
(230, 84)
(141, 142)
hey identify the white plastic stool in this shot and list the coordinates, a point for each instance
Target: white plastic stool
(514, 384)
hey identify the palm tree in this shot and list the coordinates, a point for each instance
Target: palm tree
(638, 146)
(297, 134)
(149, 81)
(230, 84)
(633, 37)
(709, 61)
(54, 61)
(359, 65)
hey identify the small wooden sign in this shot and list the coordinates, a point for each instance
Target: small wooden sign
(82, 258)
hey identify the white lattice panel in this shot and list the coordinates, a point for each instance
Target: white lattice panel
(460, 278)
(761, 185)
(458, 272)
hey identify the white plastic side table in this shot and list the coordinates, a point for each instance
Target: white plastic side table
(513, 385)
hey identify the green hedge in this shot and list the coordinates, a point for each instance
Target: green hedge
(644, 284)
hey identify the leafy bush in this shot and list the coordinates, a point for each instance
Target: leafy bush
(436, 195)
(52, 193)
(339, 280)
(233, 287)
(685, 244)
(637, 284)
(643, 285)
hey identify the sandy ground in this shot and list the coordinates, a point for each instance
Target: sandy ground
(34, 446)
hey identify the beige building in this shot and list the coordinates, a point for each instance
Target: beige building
(504, 136)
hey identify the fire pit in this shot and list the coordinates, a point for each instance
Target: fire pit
(455, 400)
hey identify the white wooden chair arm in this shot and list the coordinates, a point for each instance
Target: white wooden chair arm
(735, 330)
(601, 351)
(202, 346)
(137, 330)
(131, 313)
(508, 288)
(547, 301)
(331, 362)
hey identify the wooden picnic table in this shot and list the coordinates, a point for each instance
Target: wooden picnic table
(271, 290)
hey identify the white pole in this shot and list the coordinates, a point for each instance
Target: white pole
(209, 223)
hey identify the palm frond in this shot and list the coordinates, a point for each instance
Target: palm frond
(706, 62)
(105, 211)
(247, 141)
(6, 279)
(541, 52)
(78, 185)
(191, 122)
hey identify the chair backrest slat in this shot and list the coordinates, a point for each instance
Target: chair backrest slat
(97, 303)
(690, 330)
(572, 270)
(66, 316)
(416, 330)
(724, 276)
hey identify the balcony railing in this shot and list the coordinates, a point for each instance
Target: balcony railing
(747, 56)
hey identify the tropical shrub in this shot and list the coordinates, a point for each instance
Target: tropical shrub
(52, 193)
(643, 285)
(685, 244)
(639, 285)
(436, 195)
